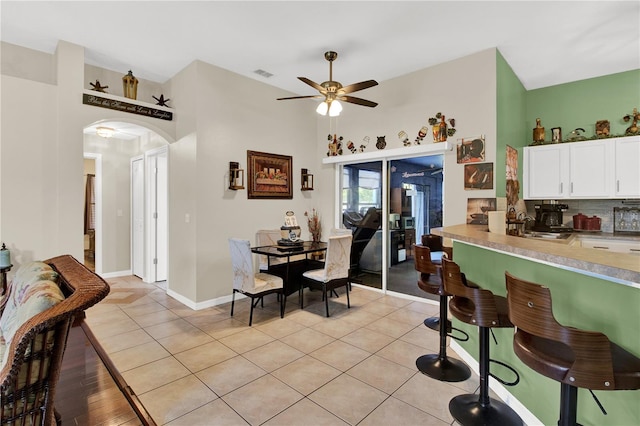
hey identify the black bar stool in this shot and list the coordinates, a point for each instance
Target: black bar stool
(476, 306)
(575, 358)
(438, 366)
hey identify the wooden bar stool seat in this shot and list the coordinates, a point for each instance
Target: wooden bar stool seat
(575, 358)
(476, 306)
(438, 366)
(437, 251)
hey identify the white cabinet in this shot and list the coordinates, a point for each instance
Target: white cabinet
(627, 167)
(591, 169)
(605, 168)
(545, 172)
(628, 247)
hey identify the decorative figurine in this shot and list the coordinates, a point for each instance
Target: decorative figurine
(440, 129)
(576, 135)
(352, 147)
(634, 117)
(404, 138)
(335, 147)
(602, 128)
(130, 86)
(421, 134)
(98, 88)
(162, 101)
(538, 132)
(381, 142)
(363, 145)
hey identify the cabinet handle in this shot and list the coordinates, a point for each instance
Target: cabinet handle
(601, 247)
(571, 188)
(561, 187)
(634, 249)
(617, 186)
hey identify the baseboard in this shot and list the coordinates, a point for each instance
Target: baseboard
(196, 306)
(527, 417)
(116, 274)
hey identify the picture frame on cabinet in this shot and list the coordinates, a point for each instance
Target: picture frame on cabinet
(478, 176)
(556, 134)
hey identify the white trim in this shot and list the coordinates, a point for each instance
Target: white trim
(196, 306)
(116, 274)
(391, 154)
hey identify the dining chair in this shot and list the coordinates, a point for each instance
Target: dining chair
(250, 284)
(335, 273)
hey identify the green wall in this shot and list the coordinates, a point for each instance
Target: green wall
(511, 108)
(582, 103)
(579, 301)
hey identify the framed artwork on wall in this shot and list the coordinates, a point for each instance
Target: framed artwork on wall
(478, 176)
(269, 175)
(470, 150)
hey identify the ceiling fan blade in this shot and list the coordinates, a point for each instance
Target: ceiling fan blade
(312, 84)
(359, 101)
(358, 86)
(300, 97)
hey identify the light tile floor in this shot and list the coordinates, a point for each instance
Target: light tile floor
(356, 367)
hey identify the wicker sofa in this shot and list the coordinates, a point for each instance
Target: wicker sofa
(39, 308)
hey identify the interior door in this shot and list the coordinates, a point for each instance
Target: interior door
(137, 216)
(157, 166)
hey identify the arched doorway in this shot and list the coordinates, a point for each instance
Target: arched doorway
(131, 199)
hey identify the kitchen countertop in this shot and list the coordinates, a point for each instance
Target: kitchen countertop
(618, 267)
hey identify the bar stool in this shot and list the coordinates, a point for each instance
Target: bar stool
(438, 366)
(437, 250)
(474, 305)
(575, 358)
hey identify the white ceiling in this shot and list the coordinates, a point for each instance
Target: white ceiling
(546, 43)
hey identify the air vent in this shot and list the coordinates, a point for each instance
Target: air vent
(263, 73)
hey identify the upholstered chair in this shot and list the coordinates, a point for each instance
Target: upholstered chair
(250, 284)
(335, 273)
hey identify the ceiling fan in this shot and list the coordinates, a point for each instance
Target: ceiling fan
(333, 91)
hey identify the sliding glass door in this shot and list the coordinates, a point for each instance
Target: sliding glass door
(412, 189)
(362, 213)
(415, 206)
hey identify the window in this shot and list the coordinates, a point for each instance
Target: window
(361, 189)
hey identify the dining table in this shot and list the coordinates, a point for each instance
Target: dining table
(295, 264)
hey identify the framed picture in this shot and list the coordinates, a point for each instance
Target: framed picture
(556, 134)
(470, 150)
(478, 176)
(269, 175)
(478, 208)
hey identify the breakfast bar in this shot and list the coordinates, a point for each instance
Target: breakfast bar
(591, 289)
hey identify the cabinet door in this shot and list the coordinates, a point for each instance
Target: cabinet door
(545, 172)
(627, 169)
(590, 170)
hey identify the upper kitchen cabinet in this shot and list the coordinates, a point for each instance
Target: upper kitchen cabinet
(545, 172)
(627, 171)
(605, 168)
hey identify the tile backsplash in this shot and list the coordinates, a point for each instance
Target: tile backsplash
(601, 208)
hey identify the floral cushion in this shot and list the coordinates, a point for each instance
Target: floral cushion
(32, 290)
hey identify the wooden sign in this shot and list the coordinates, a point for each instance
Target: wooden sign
(117, 105)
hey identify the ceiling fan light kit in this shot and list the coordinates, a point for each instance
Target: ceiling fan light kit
(333, 92)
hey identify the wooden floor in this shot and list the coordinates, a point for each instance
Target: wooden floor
(87, 394)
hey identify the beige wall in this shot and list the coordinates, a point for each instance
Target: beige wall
(218, 117)
(464, 89)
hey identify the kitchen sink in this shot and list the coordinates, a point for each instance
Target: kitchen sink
(547, 235)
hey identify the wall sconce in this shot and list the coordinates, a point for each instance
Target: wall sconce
(236, 176)
(130, 86)
(307, 180)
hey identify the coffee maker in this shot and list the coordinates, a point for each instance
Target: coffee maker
(549, 218)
